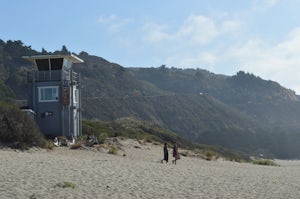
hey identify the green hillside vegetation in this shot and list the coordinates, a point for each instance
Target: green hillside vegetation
(130, 128)
(241, 112)
(17, 130)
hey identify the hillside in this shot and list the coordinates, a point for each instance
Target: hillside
(241, 112)
(264, 101)
(112, 92)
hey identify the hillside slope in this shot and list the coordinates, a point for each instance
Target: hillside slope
(238, 112)
(266, 102)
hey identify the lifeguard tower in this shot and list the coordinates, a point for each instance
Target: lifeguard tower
(54, 94)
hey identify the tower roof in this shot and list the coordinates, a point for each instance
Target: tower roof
(71, 57)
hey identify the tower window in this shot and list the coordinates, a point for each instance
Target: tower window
(48, 94)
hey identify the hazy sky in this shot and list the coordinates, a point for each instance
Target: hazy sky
(223, 36)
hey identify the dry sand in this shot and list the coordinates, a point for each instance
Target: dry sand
(139, 174)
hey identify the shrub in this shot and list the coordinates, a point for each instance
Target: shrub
(113, 150)
(102, 137)
(50, 145)
(19, 130)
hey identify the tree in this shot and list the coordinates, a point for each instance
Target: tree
(64, 50)
(44, 51)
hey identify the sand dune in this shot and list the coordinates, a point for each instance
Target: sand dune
(96, 174)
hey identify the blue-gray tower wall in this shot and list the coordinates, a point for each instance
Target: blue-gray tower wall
(61, 116)
(54, 94)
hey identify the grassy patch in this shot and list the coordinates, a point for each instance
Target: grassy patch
(211, 152)
(265, 162)
(32, 196)
(65, 185)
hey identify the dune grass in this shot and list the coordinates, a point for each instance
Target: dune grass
(265, 162)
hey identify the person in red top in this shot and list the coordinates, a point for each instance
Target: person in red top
(175, 153)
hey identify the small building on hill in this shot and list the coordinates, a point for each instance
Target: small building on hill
(54, 94)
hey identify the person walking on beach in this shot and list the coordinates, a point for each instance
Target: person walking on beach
(166, 153)
(175, 153)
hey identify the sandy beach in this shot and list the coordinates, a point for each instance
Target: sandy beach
(139, 174)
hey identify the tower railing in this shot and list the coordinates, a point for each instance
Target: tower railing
(54, 75)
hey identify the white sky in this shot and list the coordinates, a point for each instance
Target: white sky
(259, 36)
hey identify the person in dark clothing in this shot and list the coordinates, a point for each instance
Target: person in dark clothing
(166, 153)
